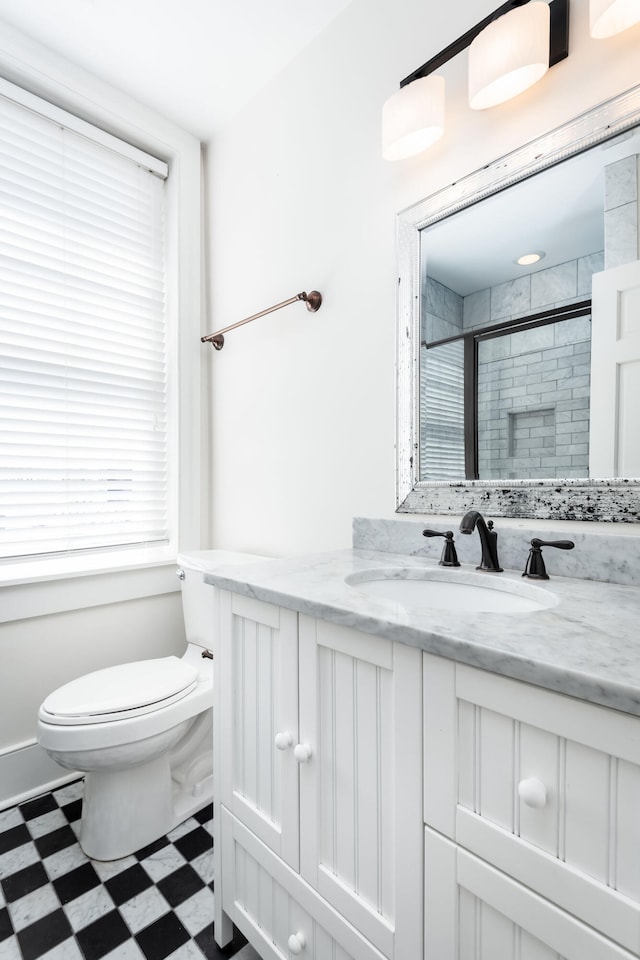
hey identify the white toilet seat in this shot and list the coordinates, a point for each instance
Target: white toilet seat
(120, 693)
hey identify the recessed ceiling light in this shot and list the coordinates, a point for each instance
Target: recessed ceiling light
(528, 258)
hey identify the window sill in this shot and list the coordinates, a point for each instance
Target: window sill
(37, 588)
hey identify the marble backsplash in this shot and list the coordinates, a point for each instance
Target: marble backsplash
(605, 554)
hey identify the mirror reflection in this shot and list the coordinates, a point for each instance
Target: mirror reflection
(508, 370)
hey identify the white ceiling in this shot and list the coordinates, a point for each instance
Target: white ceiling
(197, 62)
(559, 212)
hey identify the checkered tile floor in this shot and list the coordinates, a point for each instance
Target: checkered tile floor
(57, 904)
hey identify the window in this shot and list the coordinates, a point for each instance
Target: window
(84, 439)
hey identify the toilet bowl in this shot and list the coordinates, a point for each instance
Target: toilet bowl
(142, 732)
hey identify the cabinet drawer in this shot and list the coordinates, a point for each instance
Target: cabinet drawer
(473, 910)
(545, 787)
(270, 903)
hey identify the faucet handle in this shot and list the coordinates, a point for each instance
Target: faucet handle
(535, 568)
(449, 556)
(560, 544)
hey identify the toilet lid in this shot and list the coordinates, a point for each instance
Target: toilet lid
(116, 690)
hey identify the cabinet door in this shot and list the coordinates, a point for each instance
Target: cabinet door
(543, 786)
(279, 913)
(475, 912)
(258, 691)
(360, 788)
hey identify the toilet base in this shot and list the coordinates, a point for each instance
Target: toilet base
(124, 810)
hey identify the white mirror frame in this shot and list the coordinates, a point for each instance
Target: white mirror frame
(614, 500)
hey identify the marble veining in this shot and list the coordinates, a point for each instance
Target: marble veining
(586, 646)
(598, 555)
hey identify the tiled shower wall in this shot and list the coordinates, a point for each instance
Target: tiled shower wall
(621, 226)
(533, 386)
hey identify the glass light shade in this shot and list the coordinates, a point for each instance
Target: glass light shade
(608, 17)
(510, 55)
(413, 118)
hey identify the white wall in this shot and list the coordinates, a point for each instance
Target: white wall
(302, 405)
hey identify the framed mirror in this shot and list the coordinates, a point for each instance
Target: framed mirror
(518, 383)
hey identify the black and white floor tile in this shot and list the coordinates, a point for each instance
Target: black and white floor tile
(57, 904)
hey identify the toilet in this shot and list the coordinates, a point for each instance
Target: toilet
(142, 732)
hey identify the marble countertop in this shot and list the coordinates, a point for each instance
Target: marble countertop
(586, 646)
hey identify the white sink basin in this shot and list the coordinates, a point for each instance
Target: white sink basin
(457, 591)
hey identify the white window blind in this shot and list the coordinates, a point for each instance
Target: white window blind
(442, 412)
(83, 399)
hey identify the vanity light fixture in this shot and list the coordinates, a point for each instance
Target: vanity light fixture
(509, 56)
(608, 17)
(514, 46)
(413, 118)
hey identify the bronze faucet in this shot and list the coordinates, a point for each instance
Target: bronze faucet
(488, 539)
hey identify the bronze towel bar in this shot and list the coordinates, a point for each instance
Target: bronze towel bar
(313, 301)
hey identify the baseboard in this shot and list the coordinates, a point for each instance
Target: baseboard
(27, 771)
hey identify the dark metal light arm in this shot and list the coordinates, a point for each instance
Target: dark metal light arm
(558, 41)
(313, 301)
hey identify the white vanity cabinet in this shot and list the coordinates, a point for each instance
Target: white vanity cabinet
(318, 752)
(532, 813)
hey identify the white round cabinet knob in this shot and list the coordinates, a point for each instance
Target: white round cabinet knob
(533, 792)
(302, 752)
(283, 740)
(297, 942)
